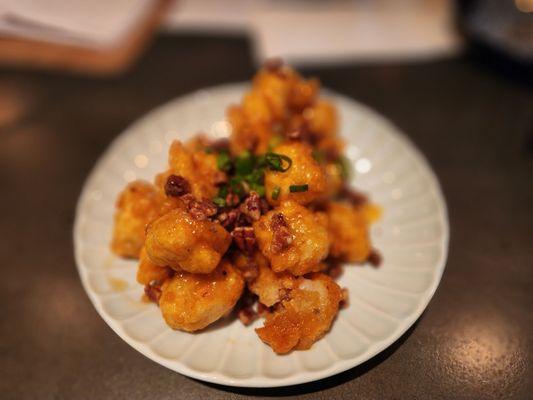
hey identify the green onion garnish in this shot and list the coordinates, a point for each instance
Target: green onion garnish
(236, 186)
(224, 161)
(277, 139)
(274, 161)
(256, 177)
(276, 192)
(298, 188)
(244, 164)
(223, 192)
(345, 167)
(219, 201)
(259, 189)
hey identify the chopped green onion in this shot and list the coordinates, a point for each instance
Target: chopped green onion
(276, 192)
(236, 186)
(223, 192)
(277, 139)
(219, 201)
(298, 188)
(275, 161)
(259, 189)
(256, 177)
(344, 166)
(244, 164)
(224, 161)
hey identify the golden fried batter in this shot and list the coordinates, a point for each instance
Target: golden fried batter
(304, 170)
(304, 317)
(334, 178)
(349, 226)
(251, 125)
(196, 166)
(180, 241)
(138, 204)
(321, 118)
(300, 246)
(267, 108)
(190, 302)
(148, 272)
(269, 286)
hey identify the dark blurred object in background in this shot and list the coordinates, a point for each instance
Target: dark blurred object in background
(500, 33)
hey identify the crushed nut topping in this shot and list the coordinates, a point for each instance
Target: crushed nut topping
(374, 258)
(335, 271)
(265, 207)
(244, 237)
(231, 219)
(355, 197)
(252, 206)
(220, 178)
(219, 144)
(201, 209)
(247, 315)
(153, 291)
(232, 199)
(282, 236)
(345, 299)
(177, 186)
(251, 271)
(262, 310)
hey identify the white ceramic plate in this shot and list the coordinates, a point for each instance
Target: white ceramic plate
(384, 302)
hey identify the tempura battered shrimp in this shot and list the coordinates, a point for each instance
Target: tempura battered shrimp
(349, 226)
(182, 242)
(137, 205)
(148, 272)
(190, 302)
(304, 317)
(293, 238)
(196, 166)
(303, 182)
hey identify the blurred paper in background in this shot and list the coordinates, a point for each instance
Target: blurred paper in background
(317, 32)
(94, 23)
(303, 32)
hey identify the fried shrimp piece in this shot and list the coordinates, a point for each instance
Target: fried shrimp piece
(321, 118)
(293, 238)
(148, 272)
(196, 166)
(265, 110)
(179, 240)
(190, 302)
(304, 317)
(303, 93)
(305, 176)
(334, 177)
(275, 88)
(322, 121)
(137, 205)
(349, 226)
(251, 125)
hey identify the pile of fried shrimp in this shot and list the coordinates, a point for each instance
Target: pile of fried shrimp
(256, 225)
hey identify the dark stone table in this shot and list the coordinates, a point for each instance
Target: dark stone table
(475, 126)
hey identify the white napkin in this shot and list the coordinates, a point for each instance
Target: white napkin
(91, 23)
